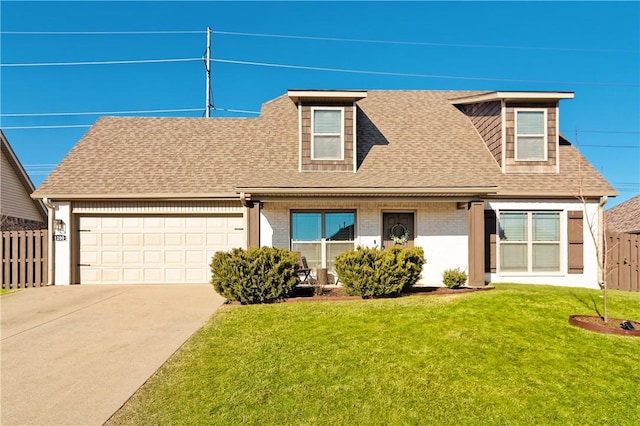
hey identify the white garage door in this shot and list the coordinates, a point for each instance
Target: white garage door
(154, 249)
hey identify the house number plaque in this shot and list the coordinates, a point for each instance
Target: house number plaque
(60, 238)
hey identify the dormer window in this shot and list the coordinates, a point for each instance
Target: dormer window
(327, 134)
(531, 134)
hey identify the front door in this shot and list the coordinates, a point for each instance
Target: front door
(398, 227)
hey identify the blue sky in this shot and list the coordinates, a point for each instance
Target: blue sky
(590, 48)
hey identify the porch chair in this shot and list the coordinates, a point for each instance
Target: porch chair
(302, 269)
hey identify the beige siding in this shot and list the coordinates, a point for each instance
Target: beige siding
(548, 166)
(14, 199)
(346, 165)
(487, 119)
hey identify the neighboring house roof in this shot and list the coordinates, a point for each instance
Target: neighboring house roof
(624, 217)
(408, 142)
(16, 188)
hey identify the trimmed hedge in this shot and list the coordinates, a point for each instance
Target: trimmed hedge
(256, 275)
(454, 278)
(370, 272)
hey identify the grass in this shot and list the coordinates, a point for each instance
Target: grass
(6, 290)
(506, 356)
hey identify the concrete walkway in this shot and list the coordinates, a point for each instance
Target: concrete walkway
(72, 355)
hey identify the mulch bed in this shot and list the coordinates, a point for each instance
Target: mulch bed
(334, 294)
(612, 326)
(309, 294)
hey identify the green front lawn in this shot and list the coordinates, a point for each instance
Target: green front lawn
(507, 356)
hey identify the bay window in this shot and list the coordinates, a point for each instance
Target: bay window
(529, 241)
(322, 235)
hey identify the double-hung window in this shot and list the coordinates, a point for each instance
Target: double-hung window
(322, 235)
(531, 135)
(529, 241)
(327, 134)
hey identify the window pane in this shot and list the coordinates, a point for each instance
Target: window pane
(546, 257)
(312, 251)
(513, 257)
(546, 226)
(340, 226)
(327, 121)
(306, 226)
(327, 147)
(513, 226)
(334, 249)
(530, 148)
(530, 123)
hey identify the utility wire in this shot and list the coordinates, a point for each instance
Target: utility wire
(336, 39)
(97, 32)
(135, 61)
(398, 74)
(52, 114)
(421, 43)
(312, 68)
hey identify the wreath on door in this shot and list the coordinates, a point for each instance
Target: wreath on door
(399, 234)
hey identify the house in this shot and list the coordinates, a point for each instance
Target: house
(481, 180)
(625, 217)
(18, 211)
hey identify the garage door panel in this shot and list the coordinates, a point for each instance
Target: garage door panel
(173, 239)
(154, 249)
(132, 240)
(152, 222)
(152, 257)
(111, 258)
(132, 275)
(153, 275)
(112, 275)
(131, 257)
(174, 257)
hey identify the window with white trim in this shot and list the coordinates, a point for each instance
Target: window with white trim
(529, 241)
(531, 134)
(327, 133)
(322, 235)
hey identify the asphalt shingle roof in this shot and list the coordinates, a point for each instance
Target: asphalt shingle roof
(406, 139)
(624, 217)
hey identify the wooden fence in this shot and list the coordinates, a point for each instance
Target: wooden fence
(24, 259)
(623, 258)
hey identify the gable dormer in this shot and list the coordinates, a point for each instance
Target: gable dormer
(520, 129)
(327, 129)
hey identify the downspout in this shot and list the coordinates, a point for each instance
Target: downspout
(50, 245)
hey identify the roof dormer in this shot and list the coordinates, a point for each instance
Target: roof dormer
(327, 129)
(521, 129)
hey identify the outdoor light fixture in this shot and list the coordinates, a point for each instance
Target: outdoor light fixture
(59, 226)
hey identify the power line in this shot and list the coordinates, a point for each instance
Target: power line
(398, 74)
(53, 114)
(97, 32)
(337, 39)
(421, 43)
(609, 131)
(608, 146)
(65, 126)
(135, 61)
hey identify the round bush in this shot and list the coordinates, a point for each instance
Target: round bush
(370, 272)
(256, 275)
(454, 278)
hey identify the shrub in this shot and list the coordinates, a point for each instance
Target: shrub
(371, 272)
(256, 275)
(454, 278)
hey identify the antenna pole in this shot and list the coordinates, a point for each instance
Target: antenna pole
(207, 66)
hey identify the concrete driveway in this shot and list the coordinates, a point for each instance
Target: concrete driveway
(72, 355)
